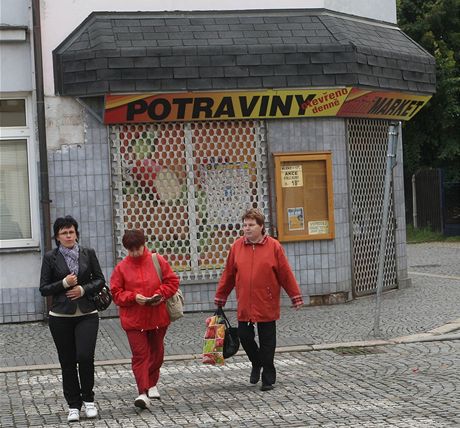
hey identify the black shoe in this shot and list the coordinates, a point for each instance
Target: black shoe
(266, 387)
(255, 375)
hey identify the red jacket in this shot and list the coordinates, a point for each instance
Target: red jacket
(137, 275)
(257, 271)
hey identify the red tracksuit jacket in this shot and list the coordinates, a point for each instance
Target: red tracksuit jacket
(137, 275)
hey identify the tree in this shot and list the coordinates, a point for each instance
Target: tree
(432, 138)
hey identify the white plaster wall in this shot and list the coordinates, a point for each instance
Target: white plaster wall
(15, 67)
(15, 56)
(15, 12)
(64, 122)
(60, 17)
(383, 10)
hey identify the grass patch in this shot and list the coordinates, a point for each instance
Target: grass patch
(415, 236)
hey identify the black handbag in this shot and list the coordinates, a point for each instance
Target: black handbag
(103, 299)
(231, 339)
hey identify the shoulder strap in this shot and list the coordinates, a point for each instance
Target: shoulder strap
(157, 266)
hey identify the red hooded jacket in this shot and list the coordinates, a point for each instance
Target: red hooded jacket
(137, 275)
(258, 272)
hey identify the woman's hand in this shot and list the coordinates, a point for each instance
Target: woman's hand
(71, 279)
(140, 299)
(155, 300)
(75, 292)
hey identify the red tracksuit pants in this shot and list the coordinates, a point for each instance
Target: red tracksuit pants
(147, 348)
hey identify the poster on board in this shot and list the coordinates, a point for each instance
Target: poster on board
(296, 218)
(291, 176)
(318, 227)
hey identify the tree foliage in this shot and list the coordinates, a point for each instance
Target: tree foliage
(432, 137)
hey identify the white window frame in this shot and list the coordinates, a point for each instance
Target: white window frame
(25, 133)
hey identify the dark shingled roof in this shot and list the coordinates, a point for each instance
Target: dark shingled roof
(116, 52)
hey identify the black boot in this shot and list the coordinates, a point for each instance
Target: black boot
(266, 387)
(255, 375)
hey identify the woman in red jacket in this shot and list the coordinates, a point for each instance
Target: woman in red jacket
(141, 297)
(258, 268)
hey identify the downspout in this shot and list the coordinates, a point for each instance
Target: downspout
(43, 156)
(40, 105)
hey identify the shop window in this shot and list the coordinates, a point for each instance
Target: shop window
(304, 196)
(187, 185)
(16, 209)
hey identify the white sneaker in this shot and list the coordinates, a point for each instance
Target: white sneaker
(74, 415)
(153, 393)
(142, 401)
(90, 409)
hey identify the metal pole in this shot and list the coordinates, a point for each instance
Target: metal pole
(414, 202)
(390, 164)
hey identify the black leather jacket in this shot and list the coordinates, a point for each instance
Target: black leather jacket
(54, 270)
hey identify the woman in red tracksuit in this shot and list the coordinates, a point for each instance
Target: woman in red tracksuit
(141, 297)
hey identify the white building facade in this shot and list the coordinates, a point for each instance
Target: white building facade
(20, 240)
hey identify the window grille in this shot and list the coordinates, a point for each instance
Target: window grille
(367, 149)
(186, 185)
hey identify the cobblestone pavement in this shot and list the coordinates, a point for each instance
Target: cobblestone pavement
(410, 385)
(431, 302)
(396, 385)
(441, 258)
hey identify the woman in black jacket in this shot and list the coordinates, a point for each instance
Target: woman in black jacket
(71, 274)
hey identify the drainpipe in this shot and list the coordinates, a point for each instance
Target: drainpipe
(43, 156)
(40, 104)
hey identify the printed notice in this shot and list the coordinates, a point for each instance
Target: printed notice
(296, 218)
(318, 227)
(291, 176)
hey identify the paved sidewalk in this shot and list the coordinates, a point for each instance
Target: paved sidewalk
(412, 384)
(431, 303)
(404, 386)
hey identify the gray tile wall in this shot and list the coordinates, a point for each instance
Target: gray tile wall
(79, 179)
(322, 266)
(21, 304)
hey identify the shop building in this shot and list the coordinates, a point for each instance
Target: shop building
(20, 232)
(185, 119)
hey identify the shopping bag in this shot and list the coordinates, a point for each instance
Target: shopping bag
(213, 344)
(231, 338)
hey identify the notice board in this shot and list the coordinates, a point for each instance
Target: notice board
(304, 196)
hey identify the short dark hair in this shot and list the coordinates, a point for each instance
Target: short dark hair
(133, 238)
(64, 223)
(255, 214)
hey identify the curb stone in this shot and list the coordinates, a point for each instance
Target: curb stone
(434, 335)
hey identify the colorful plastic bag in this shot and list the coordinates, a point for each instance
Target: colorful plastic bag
(213, 345)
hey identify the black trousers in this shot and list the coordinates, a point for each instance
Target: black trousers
(261, 355)
(75, 340)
